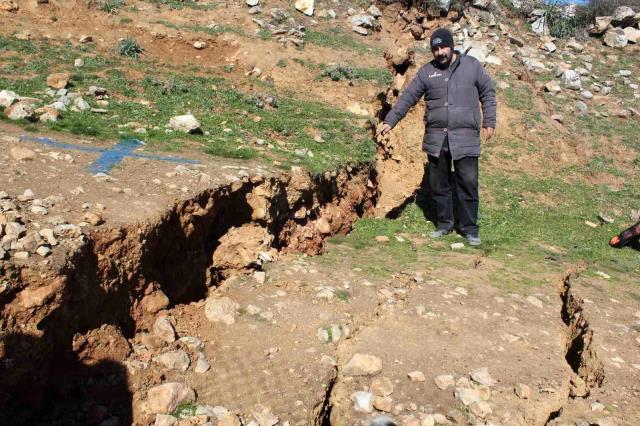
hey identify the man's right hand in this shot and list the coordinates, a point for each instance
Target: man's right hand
(384, 129)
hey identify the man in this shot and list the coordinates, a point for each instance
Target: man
(453, 85)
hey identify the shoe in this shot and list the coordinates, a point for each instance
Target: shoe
(473, 240)
(440, 233)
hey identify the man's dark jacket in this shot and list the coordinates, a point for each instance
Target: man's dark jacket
(453, 97)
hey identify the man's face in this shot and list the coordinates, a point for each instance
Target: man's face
(442, 55)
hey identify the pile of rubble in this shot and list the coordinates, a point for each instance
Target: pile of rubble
(619, 29)
(283, 27)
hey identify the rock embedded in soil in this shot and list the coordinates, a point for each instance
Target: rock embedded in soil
(362, 401)
(21, 110)
(155, 302)
(163, 328)
(165, 398)
(416, 376)
(480, 409)
(467, 396)
(165, 420)
(362, 365)
(8, 98)
(221, 309)
(382, 386)
(522, 391)
(444, 381)
(384, 404)
(264, 416)
(174, 360)
(185, 123)
(58, 80)
(482, 377)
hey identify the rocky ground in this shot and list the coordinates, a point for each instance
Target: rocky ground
(186, 278)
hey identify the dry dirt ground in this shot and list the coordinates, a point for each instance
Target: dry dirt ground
(158, 245)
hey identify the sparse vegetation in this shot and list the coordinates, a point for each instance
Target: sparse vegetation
(129, 47)
(336, 38)
(109, 6)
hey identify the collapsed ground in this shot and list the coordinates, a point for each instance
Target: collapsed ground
(118, 308)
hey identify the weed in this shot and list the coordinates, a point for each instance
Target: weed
(129, 47)
(342, 295)
(185, 410)
(282, 63)
(125, 20)
(181, 4)
(109, 6)
(337, 39)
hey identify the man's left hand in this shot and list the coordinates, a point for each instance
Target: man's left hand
(488, 132)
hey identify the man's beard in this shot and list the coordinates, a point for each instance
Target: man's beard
(444, 60)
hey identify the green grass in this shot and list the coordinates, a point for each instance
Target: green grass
(380, 76)
(109, 6)
(516, 228)
(226, 114)
(129, 47)
(336, 38)
(185, 410)
(181, 4)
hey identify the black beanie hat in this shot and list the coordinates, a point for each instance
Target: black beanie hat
(441, 37)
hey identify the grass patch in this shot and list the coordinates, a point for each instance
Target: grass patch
(185, 410)
(334, 72)
(336, 38)
(232, 120)
(181, 4)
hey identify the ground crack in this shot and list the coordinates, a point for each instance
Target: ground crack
(580, 353)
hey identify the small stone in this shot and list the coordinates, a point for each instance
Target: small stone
(416, 376)
(264, 416)
(362, 365)
(14, 229)
(382, 386)
(22, 154)
(78, 63)
(21, 255)
(165, 420)
(523, 391)
(165, 398)
(535, 301)
(202, 365)
(155, 302)
(174, 360)
(480, 409)
(552, 87)
(482, 377)
(597, 407)
(163, 328)
(260, 277)
(43, 251)
(93, 218)
(456, 417)
(467, 396)
(85, 39)
(384, 404)
(192, 343)
(8, 98)
(199, 44)
(362, 401)
(67, 231)
(221, 309)
(80, 105)
(457, 246)
(252, 3)
(444, 381)
(27, 195)
(39, 210)
(58, 80)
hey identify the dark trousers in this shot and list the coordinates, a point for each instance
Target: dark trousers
(465, 179)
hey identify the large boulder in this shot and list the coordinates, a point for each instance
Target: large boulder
(601, 25)
(623, 17)
(571, 80)
(305, 6)
(632, 34)
(22, 110)
(8, 98)
(185, 123)
(615, 37)
(165, 398)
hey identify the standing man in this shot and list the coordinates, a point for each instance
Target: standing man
(453, 85)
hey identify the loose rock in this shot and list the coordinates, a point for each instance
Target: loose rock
(221, 309)
(363, 365)
(165, 398)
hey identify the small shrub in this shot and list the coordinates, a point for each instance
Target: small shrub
(109, 6)
(282, 63)
(337, 72)
(129, 47)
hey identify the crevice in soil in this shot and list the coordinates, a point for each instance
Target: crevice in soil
(181, 255)
(580, 352)
(324, 413)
